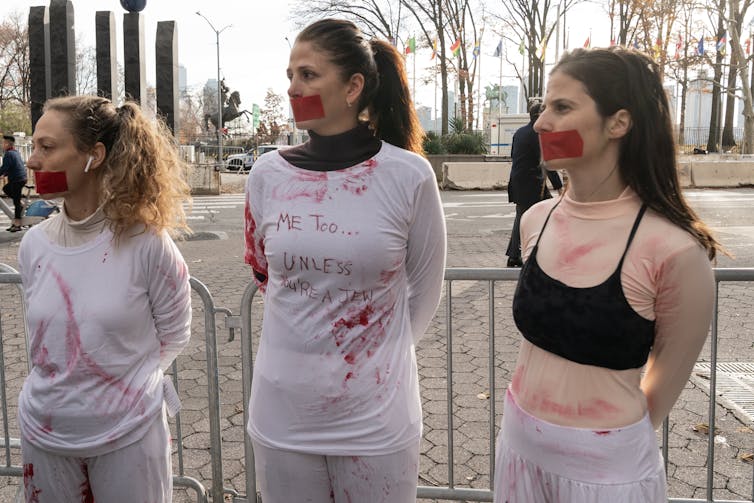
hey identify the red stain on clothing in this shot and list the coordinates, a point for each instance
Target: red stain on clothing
(85, 487)
(30, 490)
(310, 185)
(571, 255)
(74, 352)
(40, 356)
(602, 433)
(342, 325)
(356, 180)
(254, 255)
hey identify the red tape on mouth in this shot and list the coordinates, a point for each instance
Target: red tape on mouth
(561, 145)
(307, 108)
(50, 182)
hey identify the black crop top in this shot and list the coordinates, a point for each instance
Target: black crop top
(593, 326)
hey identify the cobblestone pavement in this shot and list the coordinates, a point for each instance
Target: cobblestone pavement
(219, 265)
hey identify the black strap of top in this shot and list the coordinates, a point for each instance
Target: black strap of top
(536, 245)
(633, 232)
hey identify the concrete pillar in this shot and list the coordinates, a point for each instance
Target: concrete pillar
(39, 61)
(133, 57)
(168, 94)
(62, 49)
(107, 61)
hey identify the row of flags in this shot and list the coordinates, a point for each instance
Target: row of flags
(455, 48)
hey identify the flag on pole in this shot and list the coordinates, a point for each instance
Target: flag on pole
(678, 46)
(434, 49)
(456, 47)
(721, 43)
(700, 46)
(498, 49)
(542, 49)
(521, 48)
(748, 46)
(588, 42)
(657, 49)
(475, 53)
(411, 46)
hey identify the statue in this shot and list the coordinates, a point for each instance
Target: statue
(133, 5)
(230, 108)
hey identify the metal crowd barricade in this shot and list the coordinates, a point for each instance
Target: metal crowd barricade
(180, 479)
(491, 276)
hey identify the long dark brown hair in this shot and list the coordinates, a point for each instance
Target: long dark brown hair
(386, 94)
(619, 78)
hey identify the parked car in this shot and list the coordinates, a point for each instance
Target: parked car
(244, 161)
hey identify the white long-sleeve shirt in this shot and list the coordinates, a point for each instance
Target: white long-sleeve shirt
(354, 260)
(104, 322)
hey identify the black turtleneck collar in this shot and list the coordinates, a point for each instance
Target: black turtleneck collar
(330, 153)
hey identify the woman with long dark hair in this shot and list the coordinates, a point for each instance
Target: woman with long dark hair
(615, 297)
(345, 235)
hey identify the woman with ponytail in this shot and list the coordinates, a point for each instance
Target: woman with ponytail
(108, 305)
(615, 297)
(345, 236)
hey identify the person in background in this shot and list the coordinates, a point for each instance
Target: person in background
(108, 305)
(345, 235)
(615, 297)
(13, 168)
(527, 185)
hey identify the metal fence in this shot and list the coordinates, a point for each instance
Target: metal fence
(493, 291)
(10, 444)
(489, 277)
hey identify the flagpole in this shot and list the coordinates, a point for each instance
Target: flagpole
(414, 89)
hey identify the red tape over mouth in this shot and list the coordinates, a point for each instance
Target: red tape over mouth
(50, 182)
(561, 145)
(307, 108)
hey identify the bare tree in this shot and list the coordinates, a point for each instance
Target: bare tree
(431, 19)
(738, 11)
(271, 118)
(461, 27)
(531, 24)
(379, 18)
(14, 61)
(86, 69)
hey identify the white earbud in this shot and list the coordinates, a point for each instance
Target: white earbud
(88, 164)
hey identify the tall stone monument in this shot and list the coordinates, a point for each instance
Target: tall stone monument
(166, 50)
(107, 62)
(134, 65)
(39, 61)
(62, 48)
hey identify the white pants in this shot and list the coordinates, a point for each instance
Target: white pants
(540, 462)
(285, 476)
(139, 472)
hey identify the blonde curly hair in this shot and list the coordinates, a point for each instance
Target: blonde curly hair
(142, 176)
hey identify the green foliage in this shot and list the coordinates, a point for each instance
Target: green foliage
(461, 141)
(15, 118)
(465, 143)
(433, 144)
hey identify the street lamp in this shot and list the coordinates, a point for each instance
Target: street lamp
(219, 92)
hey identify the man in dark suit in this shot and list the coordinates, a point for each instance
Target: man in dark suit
(527, 185)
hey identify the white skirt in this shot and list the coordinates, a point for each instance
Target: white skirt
(541, 462)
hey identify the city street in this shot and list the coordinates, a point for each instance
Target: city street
(478, 228)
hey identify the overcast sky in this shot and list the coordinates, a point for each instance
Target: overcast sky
(253, 48)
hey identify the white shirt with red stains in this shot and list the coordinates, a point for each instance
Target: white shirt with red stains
(354, 262)
(104, 322)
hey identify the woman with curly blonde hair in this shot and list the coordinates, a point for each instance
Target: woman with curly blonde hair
(108, 305)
